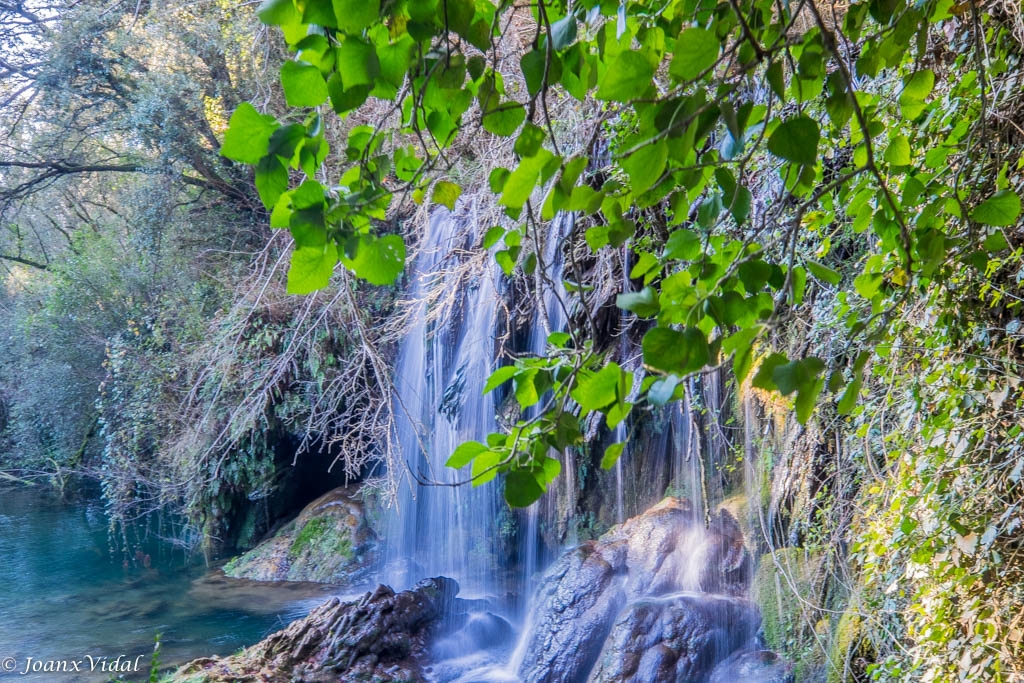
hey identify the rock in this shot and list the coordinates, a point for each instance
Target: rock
(478, 631)
(383, 636)
(329, 542)
(753, 666)
(664, 551)
(675, 638)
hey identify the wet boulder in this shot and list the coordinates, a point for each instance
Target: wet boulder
(674, 638)
(329, 542)
(666, 550)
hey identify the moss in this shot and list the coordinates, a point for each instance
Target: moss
(784, 597)
(848, 647)
(247, 533)
(321, 536)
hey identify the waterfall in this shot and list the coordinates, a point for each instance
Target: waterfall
(438, 527)
(444, 360)
(550, 316)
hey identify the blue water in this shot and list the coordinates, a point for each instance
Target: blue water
(71, 589)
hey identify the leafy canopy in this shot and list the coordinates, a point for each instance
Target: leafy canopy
(701, 96)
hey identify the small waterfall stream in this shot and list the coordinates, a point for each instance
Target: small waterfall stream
(445, 359)
(438, 528)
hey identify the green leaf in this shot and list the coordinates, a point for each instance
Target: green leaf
(505, 119)
(319, 12)
(643, 303)
(303, 84)
(645, 166)
(567, 431)
(611, 455)
(550, 469)
(628, 77)
(526, 390)
(378, 260)
(696, 52)
(522, 489)
(311, 268)
(563, 32)
(446, 193)
(999, 210)
(796, 375)
(796, 140)
(355, 15)
(807, 399)
(898, 151)
(662, 390)
(823, 272)
(995, 242)
(754, 274)
(916, 89)
(346, 99)
(465, 453)
(529, 141)
(765, 371)
(867, 284)
(485, 467)
(736, 198)
(499, 377)
(675, 352)
(683, 244)
(271, 180)
(598, 390)
(248, 135)
(521, 182)
(850, 396)
(279, 13)
(533, 65)
(358, 63)
(492, 236)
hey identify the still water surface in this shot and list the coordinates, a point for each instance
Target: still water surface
(69, 589)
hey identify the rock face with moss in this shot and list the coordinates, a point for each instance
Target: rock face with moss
(329, 542)
(381, 637)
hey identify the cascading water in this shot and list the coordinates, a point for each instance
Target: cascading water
(438, 528)
(443, 362)
(551, 316)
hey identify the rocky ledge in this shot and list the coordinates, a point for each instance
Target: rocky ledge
(381, 637)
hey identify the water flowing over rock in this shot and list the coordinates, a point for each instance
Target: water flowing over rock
(658, 598)
(753, 666)
(380, 637)
(675, 638)
(329, 542)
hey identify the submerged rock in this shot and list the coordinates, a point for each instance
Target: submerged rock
(753, 666)
(594, 610)
(329, 542)
(383, 636)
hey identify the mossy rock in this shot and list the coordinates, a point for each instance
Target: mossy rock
(785, 588)
(329, 542)
(850, 651)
